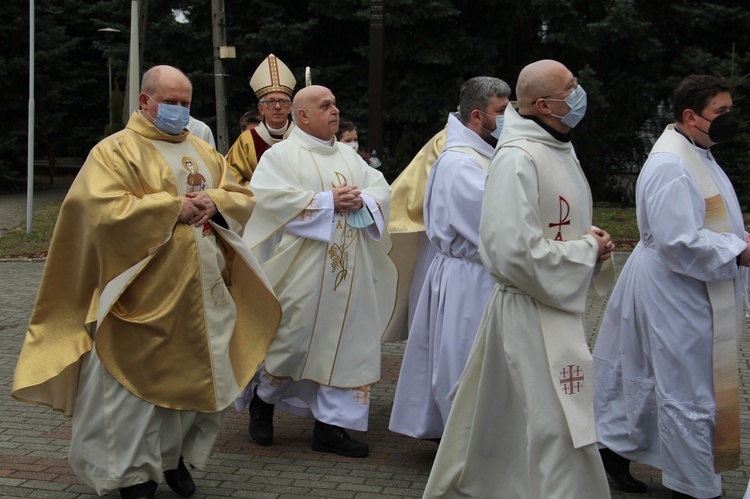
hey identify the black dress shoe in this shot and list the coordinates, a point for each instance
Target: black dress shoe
(139, 491)
(261, 420)
(180, 481)
(330, 438)
(618, 469)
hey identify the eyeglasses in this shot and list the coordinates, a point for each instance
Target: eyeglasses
(571, 91)
(271, 103)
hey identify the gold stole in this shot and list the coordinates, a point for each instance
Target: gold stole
(339, 271)
(571, 365)
(722, 298)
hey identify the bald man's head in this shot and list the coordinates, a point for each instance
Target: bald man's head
(540, 79)
(164, 85)
(541, 90)
(314, 111)
(163, 76)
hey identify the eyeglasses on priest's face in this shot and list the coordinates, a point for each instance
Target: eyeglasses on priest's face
(271, 103)
(571, 91)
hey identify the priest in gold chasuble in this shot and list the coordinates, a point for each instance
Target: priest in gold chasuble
(136, 332)
(273, 84)
(320, 226)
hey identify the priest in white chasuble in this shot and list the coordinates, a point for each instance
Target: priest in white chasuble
(320, 226)
(522, 425)
(667, 380)
(136, 332)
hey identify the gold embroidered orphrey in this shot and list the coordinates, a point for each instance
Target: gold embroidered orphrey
(339, 251)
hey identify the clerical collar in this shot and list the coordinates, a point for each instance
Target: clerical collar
(328, 143)
(689, 139)
(278, 132)
(562, 137)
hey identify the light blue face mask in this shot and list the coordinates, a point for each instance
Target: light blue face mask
(499, 120)
(577, 102)
(171, 119)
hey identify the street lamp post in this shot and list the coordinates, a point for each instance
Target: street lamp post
(109, 33)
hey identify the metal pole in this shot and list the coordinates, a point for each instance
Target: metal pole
(134, 62)
(30, 144)
(220, 83)
(109, 65)
(375, 91)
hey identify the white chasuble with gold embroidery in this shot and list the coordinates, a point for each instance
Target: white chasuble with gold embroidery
(337, 295)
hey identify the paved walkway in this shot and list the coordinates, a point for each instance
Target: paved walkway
(34, 440)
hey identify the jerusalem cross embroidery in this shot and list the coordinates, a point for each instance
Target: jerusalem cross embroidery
(564, 218)
(571, 379)
(362, 394)
(273, 380)
(309, 212)
(338, 252)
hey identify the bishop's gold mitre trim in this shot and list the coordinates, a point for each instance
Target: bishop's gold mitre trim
(272, 76)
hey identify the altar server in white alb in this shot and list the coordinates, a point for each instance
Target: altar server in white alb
(321, 228)
(457, 285)
(522, 422)
(666, 355)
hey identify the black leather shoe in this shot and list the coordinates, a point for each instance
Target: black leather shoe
(618, 469)
(180, 481)
(330, 438)
(261, 420)
(139, 491)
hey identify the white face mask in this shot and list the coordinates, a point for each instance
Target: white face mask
(353, 145)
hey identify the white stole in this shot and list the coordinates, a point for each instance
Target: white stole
(570, 362)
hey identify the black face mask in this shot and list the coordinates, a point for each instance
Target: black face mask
(723, 128)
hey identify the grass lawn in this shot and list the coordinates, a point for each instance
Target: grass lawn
(17, 244)
(619, 222)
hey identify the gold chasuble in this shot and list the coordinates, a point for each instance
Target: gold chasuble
(247, 150)
(337, 296)
(182, 315)
(722, 299)
(406, 225)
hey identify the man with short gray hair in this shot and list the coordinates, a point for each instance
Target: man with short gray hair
(448, 311)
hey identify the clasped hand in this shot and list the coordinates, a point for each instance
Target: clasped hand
(197, 208)
(606, 246)
(346, 198)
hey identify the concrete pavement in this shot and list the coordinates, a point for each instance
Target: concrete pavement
(34, 440)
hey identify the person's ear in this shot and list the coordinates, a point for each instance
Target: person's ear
(542, 106)
(143, 100)
(689, 117)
